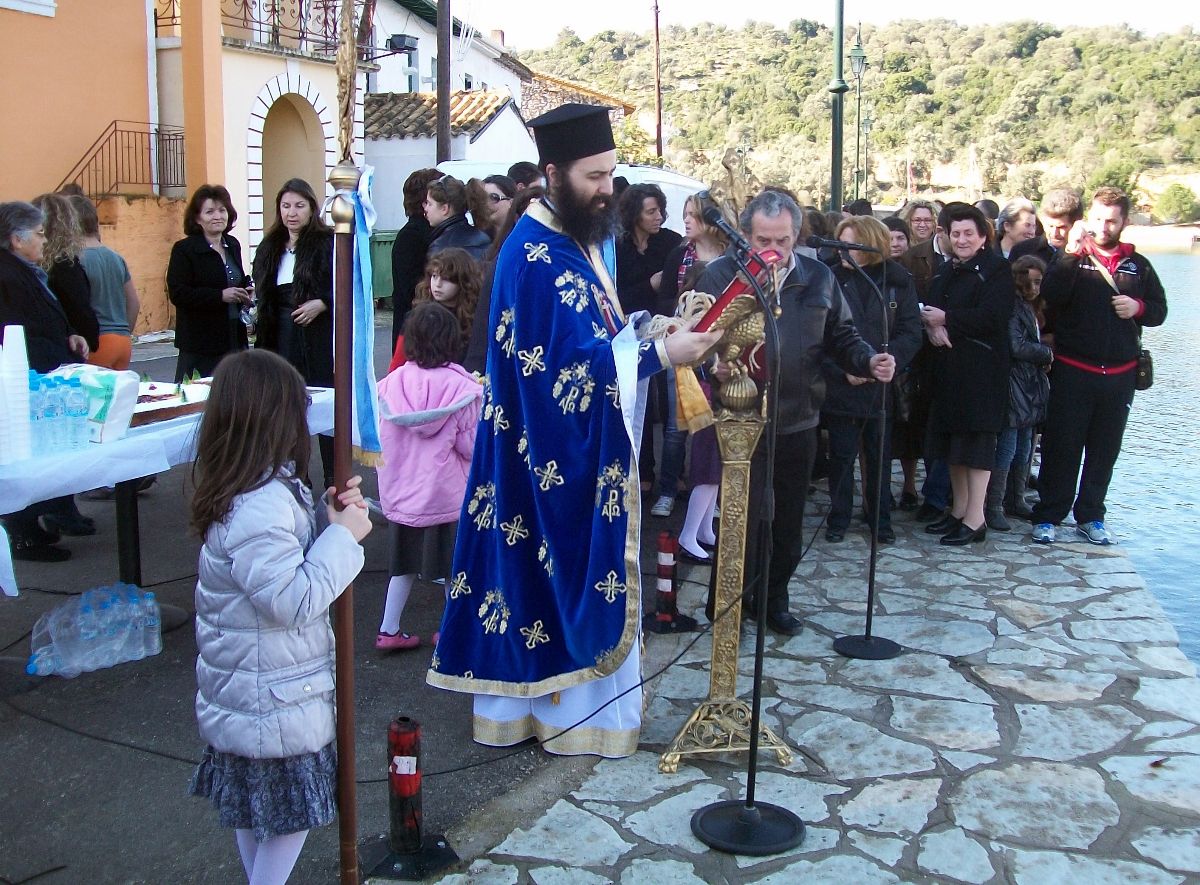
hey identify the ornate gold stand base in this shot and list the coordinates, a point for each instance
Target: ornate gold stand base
(720, 726)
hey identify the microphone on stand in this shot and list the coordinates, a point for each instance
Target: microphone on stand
(822, 243)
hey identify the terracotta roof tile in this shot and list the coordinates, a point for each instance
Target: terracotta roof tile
(414, 114)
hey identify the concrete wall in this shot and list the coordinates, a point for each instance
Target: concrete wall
(394, 160)
(66, 78)
(479, 62)
(505, 141)
(142, 230)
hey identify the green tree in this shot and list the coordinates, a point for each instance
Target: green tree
(634, 145)
(1122, 173)
(1177, 205)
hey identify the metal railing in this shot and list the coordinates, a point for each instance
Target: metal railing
(131, 158)
(309, 27)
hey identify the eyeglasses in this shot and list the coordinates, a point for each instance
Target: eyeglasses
(498, 198)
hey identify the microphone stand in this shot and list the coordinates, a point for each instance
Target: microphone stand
(868, 647)
(731, 825)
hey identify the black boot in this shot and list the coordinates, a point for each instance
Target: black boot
(993, 505)
(1014, 498)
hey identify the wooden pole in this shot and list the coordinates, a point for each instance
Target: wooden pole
(344, 178)
(444, 21)
(343, 607)
(658, 139)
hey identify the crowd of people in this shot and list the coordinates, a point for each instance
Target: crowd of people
(944, 334)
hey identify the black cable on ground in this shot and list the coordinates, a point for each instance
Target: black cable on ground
(4, 880)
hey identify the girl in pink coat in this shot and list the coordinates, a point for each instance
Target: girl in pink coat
(430, 407)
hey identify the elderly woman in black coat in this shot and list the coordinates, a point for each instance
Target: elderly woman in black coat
(207, 285)
(26, 300)
(967, 317)
(293, 280)
(851, 412)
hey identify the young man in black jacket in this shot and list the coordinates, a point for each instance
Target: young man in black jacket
(1098, 295)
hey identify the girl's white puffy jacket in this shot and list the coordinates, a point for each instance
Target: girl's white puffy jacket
(265, 668)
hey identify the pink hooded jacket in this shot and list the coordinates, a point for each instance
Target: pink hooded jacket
(427, 434)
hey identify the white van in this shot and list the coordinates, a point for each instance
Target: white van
(677, 187)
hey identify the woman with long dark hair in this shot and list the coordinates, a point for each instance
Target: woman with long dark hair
(293, 278)
(207, 285)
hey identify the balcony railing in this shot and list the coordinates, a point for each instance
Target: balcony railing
(309, 27)
(131, 158)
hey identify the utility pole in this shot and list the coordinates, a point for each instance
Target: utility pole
(443, 80)
(658, 141)
(838, 88)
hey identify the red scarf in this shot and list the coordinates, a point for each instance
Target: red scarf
(1113, 261)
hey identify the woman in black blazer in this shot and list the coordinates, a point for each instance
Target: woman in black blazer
(207, 285)
(293, 279)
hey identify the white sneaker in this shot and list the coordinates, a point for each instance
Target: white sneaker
(663, 506)
(1095, 532)
(1043, 533)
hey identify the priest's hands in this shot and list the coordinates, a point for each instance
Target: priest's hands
(686, 347)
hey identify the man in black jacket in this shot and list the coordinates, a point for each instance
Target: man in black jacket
(815, 322)
(1059, 211)
(1098, 295)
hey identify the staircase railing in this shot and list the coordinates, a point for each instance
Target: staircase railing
(131, 158)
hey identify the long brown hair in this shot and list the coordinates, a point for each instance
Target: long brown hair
(457, 266)
(64, 236)
(255, 423)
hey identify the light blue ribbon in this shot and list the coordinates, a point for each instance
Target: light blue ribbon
(366, 404)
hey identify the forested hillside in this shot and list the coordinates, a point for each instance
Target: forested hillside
(1020, 106)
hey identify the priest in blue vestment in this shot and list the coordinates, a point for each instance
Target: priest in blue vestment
(544, 602)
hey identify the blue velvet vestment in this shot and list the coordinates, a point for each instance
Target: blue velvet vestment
(545, 590)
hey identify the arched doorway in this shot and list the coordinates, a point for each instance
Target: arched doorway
(293, 146)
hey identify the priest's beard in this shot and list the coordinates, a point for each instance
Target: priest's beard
(588, 222)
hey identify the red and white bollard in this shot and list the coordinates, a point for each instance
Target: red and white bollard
(666, 617)
(412, 857)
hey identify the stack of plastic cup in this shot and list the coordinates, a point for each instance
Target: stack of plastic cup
(16, 442)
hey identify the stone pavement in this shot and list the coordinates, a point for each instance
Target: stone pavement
(1042, 726)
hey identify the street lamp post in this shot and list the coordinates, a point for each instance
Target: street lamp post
(838, 89)
(867, 123)
(858, 64)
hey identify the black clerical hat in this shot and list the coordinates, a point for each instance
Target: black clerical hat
(571, 131)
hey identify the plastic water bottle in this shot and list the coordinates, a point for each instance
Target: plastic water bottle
(36, 427)
(135, 645)
(44, 662)
(54, 416)
(151, 624)
(75, 405)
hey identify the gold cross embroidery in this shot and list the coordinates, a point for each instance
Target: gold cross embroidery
(610, 587)
(548, 476)
(514, 531)
(539, 252)
(534, 635)
(459, 586)
(531, 360)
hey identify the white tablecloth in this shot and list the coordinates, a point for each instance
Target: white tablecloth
(151, 448)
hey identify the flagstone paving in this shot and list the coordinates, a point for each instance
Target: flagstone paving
(1042, 726)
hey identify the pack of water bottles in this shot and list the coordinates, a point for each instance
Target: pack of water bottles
(58, 413)
(100, 628)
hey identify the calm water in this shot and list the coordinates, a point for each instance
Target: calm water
(1154, 500)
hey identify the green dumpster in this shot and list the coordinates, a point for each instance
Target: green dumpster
(381, 264)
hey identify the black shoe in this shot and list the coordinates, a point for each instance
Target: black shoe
(688, 556)
(75, 524)
(907, 503)
(33, 551)
(964, 535)
(835, 536)
(947, 523)
(887, 536)
(994, 519)
(785, 623)
(104, 493)
(927, 513)
(146, 482)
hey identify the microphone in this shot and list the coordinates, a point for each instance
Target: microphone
(821, 242)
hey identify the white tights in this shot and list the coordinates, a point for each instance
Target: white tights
(270, 862)
(698, 524)
(393, 605)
